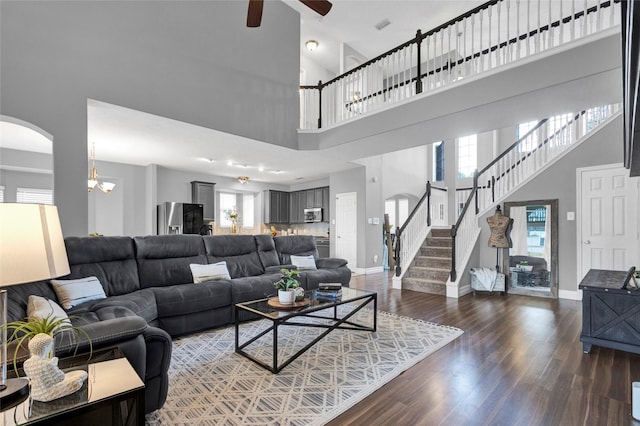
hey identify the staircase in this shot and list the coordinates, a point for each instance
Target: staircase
(429, 270)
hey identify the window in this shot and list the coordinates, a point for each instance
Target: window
(1, 194)
(438, 161)
(531, 142)
(227, 203)
(242, 203)
(34, 196)
(390, 209)
(398, 211)
(247, 210)
(467, 156)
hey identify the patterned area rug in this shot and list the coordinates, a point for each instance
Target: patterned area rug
(212, 385)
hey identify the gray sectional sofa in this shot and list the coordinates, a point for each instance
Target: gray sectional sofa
(151, 296)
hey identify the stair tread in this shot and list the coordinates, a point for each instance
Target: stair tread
(424, 280)
(430, 268)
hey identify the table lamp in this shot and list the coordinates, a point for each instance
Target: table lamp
(31, 249)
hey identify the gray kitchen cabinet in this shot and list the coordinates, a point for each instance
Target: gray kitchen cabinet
(295, 210)
(317, 198)
(204, 193)
(276, 207)
(326, 208)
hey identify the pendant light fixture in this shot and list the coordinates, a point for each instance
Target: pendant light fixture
(105, 187)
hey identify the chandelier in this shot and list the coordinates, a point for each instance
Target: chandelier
(243, 179)
(105, 187)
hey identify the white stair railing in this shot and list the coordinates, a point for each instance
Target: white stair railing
(492, 35)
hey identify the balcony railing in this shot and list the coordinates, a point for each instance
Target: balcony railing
(493, 34)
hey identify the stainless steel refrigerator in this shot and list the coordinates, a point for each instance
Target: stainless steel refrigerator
(179, 218)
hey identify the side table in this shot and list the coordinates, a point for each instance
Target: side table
(113, 394)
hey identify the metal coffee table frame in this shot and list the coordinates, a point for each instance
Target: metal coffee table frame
(280, 318)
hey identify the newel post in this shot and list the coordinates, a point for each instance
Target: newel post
(428, 203)
(320, 104)
(419, 65)
(454, 231)
(397, 253)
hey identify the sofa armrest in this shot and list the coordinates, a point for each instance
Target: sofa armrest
(102, 333)
(330, 263)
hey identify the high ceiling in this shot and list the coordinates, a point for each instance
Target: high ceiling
(183, 146)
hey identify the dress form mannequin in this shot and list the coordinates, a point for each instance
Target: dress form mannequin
(500, 226)
(48, 382)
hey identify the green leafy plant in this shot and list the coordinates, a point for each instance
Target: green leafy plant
(289, 279)
(26, 329)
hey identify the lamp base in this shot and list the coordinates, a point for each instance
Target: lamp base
(17, 390)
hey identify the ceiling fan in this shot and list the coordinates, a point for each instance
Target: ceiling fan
(254, 14)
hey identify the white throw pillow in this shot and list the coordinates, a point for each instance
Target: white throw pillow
(40, 308)
(74, 292)
(211, 272)
(303, 262)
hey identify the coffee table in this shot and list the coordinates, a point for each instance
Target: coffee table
(113, 394)
(354, 299)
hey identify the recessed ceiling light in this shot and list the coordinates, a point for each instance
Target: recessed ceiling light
(229, 163)
(277, 172)
(312, 45)
(261, 169)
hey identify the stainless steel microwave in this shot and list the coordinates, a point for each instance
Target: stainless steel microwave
(313, 215)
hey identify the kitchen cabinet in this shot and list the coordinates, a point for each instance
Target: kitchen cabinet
(317, 197)
(310, 199)
(204, 193)
(326, 207)
(276, 207)
(295, 208)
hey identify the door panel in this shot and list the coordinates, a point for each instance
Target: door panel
(346, 228)
(609, 223)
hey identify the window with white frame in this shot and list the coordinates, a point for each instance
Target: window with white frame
(438, 161)
(1, 194)
(467, 156)
(248, 210)
(34, 196)
(242, 203)
(398, 211)
(530, 143)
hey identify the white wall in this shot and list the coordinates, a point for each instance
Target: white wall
(193, 61)
(314, 72)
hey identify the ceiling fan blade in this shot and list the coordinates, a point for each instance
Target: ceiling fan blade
(254, 14)
(319, 6)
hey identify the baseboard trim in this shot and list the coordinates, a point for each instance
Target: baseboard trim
(367, 271)
(570, 294)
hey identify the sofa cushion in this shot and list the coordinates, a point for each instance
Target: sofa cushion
(312, 278)
(253, 288)
(163, 260)
(39, 308)
(300, 245)
(211, 272)
(141, 303)
(267, 251)
(239, 251)
(188, 298)
(303, 262)
(110, 259)
(75, 292)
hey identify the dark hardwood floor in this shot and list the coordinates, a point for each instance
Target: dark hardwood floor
(519, 362)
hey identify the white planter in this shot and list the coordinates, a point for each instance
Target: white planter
(286, 297)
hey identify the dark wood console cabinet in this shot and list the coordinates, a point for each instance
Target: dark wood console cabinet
(610, 313)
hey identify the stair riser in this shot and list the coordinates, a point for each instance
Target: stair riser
(432, 262)
(441, 233)
(423, 287)
(435, 252)
(441, 276)
(438, 242)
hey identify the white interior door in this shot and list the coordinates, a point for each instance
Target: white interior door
(346, 228)
(608, 235)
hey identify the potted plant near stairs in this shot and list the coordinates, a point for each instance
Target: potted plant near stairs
(286, 286)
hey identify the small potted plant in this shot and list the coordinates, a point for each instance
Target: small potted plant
(23, 330)
(286, 286)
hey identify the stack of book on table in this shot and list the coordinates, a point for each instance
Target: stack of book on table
(329, 290)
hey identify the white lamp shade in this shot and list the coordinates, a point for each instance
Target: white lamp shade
(31, 243)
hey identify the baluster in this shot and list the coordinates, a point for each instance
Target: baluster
(539, 41)
(490, 61)
(480, 55)
(427, 43)
(528, 28)
(561, 26)
(499, 51)
(517, 30)
(612, 14)
(585, 27)
(573, 20)
(472, 70)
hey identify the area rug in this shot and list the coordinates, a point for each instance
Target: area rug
(209, 384)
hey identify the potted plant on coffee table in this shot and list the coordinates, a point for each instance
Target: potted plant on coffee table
(286, 286)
